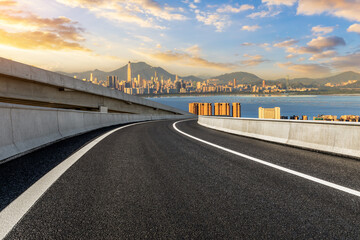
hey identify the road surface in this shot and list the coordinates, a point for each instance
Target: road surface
(150, 181)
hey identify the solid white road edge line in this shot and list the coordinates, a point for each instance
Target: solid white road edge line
(12, 214)
(299, 174)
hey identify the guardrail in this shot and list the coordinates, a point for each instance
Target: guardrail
(25, 128)
(333, 137)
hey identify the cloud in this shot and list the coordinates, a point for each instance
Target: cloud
(189, 60)
(23, 29)
(350, 61)
(348, 9)
(286, 43)
(38, 40)
(194, 50)
(8, 3)
(314, 69)
(253, 60)
(317, 45)
(354, 28)
(301, 59)
(264, 13)
(325, 54)
(319, 30)
(247, 44)
(266, 46)
(280, 2)
(193, 6)
(291, 56)
(214, 19)
(231, 9)
(141, 12)
(322, 43)
(250, 28)
(144, 38)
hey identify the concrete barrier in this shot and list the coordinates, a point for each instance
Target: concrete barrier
(333, 137)
(25, 128)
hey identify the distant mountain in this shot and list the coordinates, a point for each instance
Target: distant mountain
(241, 78)
(339, 78)
(193, 78)
(145, 70)
(342, 77)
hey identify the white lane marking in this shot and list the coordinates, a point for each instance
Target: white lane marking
(299, 174)
(12, 214)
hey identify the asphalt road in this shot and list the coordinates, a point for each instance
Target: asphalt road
(149, 181)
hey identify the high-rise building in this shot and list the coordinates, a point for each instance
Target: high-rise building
(207, 109)
(91, 77)
(194, 108)
(217, 109)
(111, 81)
(263, 84)
(225, 109)
(129, 76)
(234, 83)
(269, 113)
(236, 110)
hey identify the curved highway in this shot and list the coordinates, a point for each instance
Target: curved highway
(150, 181)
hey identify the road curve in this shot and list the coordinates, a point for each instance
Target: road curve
(150, 181)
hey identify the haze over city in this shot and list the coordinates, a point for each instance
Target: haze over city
(271, 38)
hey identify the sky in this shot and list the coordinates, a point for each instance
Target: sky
(270, 38)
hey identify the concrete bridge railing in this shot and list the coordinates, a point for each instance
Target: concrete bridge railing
(38, 107)
(25, 128)
(334, 137)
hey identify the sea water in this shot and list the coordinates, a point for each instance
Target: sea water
(311, 105)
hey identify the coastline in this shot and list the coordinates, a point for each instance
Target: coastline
(302, 94)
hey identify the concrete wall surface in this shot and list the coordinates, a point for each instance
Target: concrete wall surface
(332, 137)
(25, 128)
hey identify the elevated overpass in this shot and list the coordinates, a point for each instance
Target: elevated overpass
(38, 107)
(164, 179)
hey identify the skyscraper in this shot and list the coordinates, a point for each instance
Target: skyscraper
(111, 81)
(129, 78)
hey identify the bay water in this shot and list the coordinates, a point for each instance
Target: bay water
(310, 105)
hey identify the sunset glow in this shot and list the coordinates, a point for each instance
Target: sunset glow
(271, 38)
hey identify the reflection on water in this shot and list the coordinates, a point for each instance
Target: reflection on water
(290, 105)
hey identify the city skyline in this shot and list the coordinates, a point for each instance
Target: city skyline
(271, 38)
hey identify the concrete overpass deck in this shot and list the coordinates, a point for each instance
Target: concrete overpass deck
(151, 181)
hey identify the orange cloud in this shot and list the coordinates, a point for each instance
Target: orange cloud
(38, 40)
(140, 12)
(253, 60)
(187, 59)
(286, 43)
(45, 33)
(348, 9)
(314, 69)
(350, 61)
(8, 3)
(279, 2)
